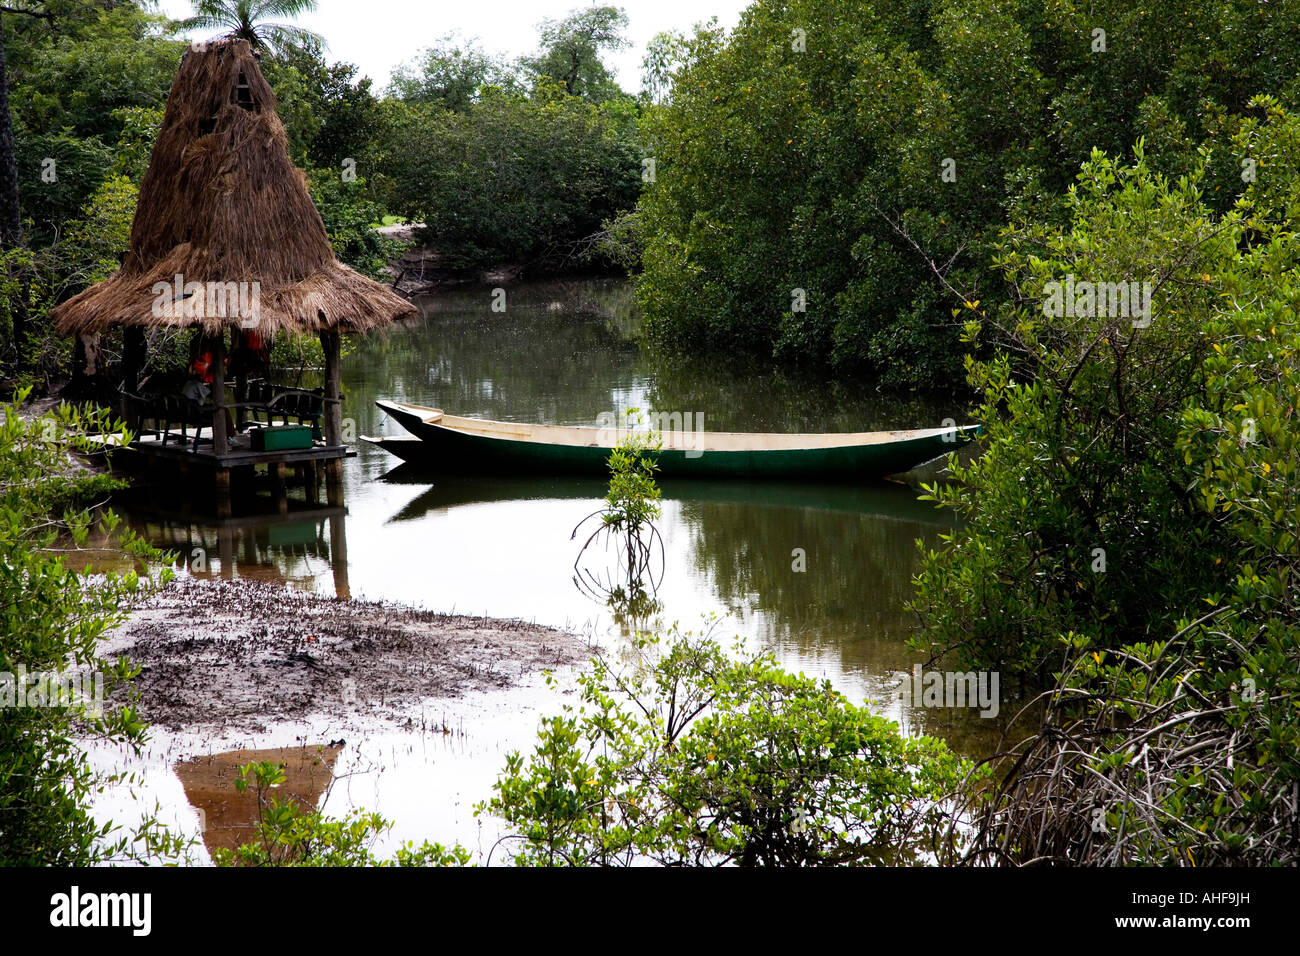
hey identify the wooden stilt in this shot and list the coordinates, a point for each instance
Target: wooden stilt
(226, 549)
(221, 478)
(332, 345)
(334, 482)
(219, 412)
(134, 352)
(339, 556)
(311, 482)
(241, 377)
(279, 488)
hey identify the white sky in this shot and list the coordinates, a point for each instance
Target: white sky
(377, 35)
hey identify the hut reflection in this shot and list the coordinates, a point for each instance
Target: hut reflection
(230, 818)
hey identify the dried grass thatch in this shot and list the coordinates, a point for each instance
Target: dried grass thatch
(222, 203)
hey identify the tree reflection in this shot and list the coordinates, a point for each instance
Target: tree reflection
(627, 523)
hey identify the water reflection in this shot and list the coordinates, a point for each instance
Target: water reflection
(229, 818)
(294, 548)
(818, 574)
(555, 355)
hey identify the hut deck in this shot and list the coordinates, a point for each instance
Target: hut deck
(148, 451)
(241, 453)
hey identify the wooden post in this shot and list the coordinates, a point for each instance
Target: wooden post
(310, 483)
(221, 479)
(334, 482)
(279, 488)
(226, 550)
(133, 355)
(219, 434)
(239, 347)
(85, 364)
(339, 556)
(332, 344)
(307, 480)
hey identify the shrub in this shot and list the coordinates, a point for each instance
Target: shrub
(690, 756)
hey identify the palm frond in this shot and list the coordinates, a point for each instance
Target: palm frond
(282, 8)
(201, 21)
(246, 18)
(280, 37)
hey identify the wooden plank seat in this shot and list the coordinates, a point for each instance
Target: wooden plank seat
(165, 410)
(302, 406)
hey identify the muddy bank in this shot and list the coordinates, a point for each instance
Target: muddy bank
(241, 655)
(422, 270)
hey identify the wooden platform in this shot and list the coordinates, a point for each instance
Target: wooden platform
(149, 453)
(240, 455)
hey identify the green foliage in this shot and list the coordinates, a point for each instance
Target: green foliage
(92, 246)
(627, 520)
(691, 756)
(449, 74)
(822, 169)
(73, 76)
(618, 243)
(1173, 449)
(571, 49)
(633, 498)
(33, 281)
(85, 98)
(513, 179)
(1080, 435)
(349, 220)
(295, 355)
(140, 125)
(295, 78)
(292, 836)
(329, 112)
(53, 193)
(52, 618)
(665, 54)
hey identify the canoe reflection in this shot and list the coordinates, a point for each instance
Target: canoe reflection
(883, 499)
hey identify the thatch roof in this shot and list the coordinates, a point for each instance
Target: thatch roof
(222, 203)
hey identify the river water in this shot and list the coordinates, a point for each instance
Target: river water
(564, 353)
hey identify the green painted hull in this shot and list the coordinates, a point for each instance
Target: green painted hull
(449, 450)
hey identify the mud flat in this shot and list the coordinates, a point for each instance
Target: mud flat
(242, 655)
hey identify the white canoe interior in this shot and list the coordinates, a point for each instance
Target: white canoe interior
(672, 440)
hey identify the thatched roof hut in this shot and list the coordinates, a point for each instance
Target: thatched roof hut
(226, 236)
(223, 213)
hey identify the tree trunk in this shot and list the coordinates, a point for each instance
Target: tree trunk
(11, 220)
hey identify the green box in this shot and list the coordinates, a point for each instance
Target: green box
(293, 533)
(281, 438)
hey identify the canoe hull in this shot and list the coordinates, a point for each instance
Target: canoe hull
(452, 451)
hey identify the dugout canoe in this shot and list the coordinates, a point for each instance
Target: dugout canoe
(472, 445)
